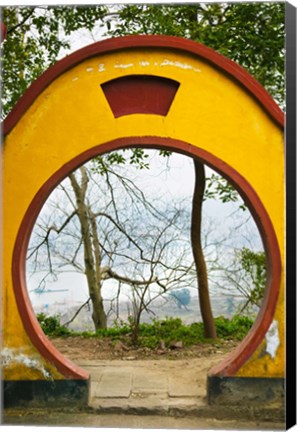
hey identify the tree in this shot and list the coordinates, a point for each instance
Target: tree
(92, 254)
(247, 274)
(203, 290)
(177, 274)
(251, 34)
(33, 43)
(103, 222)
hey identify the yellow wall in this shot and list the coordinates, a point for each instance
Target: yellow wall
(72, 115)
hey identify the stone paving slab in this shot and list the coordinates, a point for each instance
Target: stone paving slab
(139, 380)
(183, 387)
(146, 382)
(146, 387)
(177, 390)
(113, 383)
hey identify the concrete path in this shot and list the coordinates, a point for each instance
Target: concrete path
(144, 385)
(160, 387)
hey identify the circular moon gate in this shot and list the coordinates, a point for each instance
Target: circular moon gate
(157, 92)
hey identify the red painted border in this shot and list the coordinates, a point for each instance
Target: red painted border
(153, 41)
(247, 347)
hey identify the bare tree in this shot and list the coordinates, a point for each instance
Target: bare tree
(100, 223)
(167, 271)
(105, 228)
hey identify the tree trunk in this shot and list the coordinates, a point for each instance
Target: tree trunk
(135, 326)
(91, 249)
(98, 315)
(204, 300)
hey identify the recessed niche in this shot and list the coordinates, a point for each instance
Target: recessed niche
(140, 94)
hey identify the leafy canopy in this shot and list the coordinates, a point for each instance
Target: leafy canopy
(252, 34)
(35, 38)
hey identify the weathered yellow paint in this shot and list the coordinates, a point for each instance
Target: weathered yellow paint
(19, 358)
(25, 363)
(71, 115)
(261, 363)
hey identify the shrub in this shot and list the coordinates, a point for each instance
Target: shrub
(151, 342)
(114, 332)
(169, 329)
(51, 325)
(237, 327)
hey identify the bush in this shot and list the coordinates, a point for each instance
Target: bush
(172, 329)
(169, 329)
(114, 332)
(235, 328)
(51, 325)
(151, 342)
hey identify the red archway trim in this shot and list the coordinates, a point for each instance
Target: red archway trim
(247, 347)
(224, 64)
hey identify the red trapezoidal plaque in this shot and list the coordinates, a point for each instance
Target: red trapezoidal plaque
(140, 94)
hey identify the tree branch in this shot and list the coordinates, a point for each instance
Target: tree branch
(12, 29)
(77, 312)
(130, 281)
(52, 228)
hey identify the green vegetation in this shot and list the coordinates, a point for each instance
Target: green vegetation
(250, 33)
(150, 335)
(52, 326)
(254, 266)
(236, 328)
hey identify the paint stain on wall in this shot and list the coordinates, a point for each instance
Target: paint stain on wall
(11, 356)
(272, 339)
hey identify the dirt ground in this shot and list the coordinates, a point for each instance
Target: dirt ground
(77, 348)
